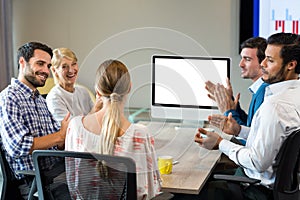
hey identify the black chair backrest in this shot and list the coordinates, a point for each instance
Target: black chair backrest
(286, 167)
(9, 184)
(82, 175)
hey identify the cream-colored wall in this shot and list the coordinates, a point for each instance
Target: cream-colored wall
(133, 30)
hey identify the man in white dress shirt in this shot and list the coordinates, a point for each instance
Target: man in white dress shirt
(273, 122)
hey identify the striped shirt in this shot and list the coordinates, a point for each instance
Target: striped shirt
(137, 143)
(24, 116)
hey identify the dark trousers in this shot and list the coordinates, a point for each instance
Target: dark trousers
(24, 186)
(223, 190)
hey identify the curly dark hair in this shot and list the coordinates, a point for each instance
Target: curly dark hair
(27, 50)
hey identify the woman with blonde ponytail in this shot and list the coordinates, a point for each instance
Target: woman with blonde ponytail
(108, 131)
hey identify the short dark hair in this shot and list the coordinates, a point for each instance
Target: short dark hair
(290, 47)
(283, 39)
(27, 50)
(256, 42)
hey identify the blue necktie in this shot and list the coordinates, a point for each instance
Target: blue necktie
(256, 101)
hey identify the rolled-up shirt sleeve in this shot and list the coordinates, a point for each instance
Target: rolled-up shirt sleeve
(14, 133)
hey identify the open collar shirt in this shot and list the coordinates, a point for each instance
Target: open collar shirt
(257, 98)
(255, 86)
(272, 123)
(24, 116)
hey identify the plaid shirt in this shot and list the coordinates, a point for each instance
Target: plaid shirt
(24, 115)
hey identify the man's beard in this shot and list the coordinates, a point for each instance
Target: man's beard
(278, 77)
(30, 76)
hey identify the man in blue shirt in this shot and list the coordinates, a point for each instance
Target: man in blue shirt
(252, 54)
(26, 123)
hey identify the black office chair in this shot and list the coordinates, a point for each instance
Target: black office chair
(9, 191)
(286, 167)
(85, 175)
(10, 183)
(82, 175)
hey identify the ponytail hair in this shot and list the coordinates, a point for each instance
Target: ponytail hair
(112, 82)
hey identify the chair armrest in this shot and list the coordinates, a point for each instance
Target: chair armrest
(241, 179)
(26, 172)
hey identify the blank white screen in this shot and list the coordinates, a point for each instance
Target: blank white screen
(181, 82)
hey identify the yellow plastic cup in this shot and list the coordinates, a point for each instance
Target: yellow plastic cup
(165, 164)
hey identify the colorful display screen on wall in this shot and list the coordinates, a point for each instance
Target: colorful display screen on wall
(276, 16)
(266, 17)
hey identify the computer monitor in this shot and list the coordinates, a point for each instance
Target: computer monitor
(178, 86)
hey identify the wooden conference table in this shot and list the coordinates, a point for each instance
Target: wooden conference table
(195, 164)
